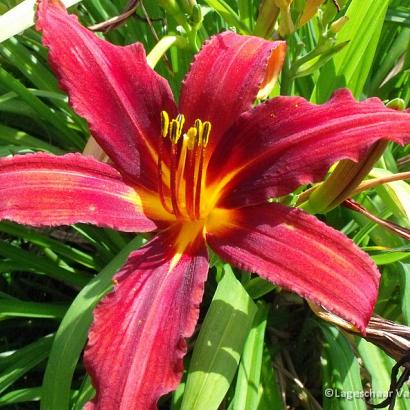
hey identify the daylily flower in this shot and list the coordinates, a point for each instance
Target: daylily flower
(199, 174)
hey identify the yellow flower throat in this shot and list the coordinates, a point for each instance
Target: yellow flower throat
(186, 175)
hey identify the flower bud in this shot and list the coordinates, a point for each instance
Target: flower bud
(337, 25)
(311, 8)
(267, 16)
(344, 180)
(286, 25)
(397, 104)
(196, 15)
(187, 5)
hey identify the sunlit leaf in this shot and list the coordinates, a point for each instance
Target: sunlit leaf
(219, 345)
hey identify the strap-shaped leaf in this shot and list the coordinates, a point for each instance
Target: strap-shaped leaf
(219, 345)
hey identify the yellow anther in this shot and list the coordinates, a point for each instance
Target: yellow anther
(199, 129)
(173, 131)
(164, 123)
(191, 137)
(175, 128)
(198, 134)
(206, 131)
(181, 122)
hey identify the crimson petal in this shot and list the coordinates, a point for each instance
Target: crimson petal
(112, 87)
(295, 250)
(226, 77)
(289, 141)
(48, 190)
(137, 341)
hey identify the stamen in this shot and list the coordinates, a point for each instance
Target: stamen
(175, 128)
(206, 131)
(164, 123)
(181, 122)
(190, 179)
(199, 182)
(186, 165)
(199, 128)
(173, 180)
(173, 131)
(160, 178)
(196, 164)
(191, 134)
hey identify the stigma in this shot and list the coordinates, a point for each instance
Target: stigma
(186, 176)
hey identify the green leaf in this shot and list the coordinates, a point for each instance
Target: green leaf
(249, 373)
(245, 12)
(17, 308)
(341, 372)
(72, 334)
(20, 396)
(387, 258)
(21, 58)
(315, 60)
(21, 362)
(379, 366)
(351, 66)
(45, 242)
(258, 287)
(219, 345)
(56, 120)
(269, 389)
(390, 60)
(398, 16)
(404, 272)
(228, 14)
(39, 264)
(396, 195)
(85, 394)
(13, 136)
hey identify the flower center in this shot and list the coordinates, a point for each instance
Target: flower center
(186, 171)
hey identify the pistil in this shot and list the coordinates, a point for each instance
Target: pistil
(205, 131)
(161, 148)
(187, 144)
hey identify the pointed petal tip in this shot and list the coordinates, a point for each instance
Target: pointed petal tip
(288, 142)
(274, 67)
(226, 77)
(320, 263)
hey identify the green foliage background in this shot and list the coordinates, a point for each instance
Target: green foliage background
(257, 346)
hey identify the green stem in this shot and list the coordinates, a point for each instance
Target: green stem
(286, 78)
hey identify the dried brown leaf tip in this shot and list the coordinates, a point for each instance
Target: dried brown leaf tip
(393, 338)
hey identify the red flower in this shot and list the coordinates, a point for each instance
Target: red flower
(199, 174)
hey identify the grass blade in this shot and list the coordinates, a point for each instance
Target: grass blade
(351, 66)
(219, 345)
(20, 396)
(72, 335)
(249, 373)
(341, 372)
